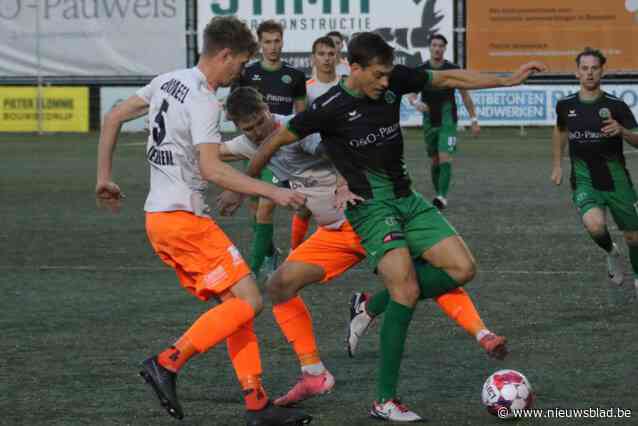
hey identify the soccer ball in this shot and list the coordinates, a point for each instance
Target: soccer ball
(507, 390)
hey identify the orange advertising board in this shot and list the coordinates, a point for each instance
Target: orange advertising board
(502, 34)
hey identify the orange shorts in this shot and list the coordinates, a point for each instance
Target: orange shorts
(333, 250)
(207, 263)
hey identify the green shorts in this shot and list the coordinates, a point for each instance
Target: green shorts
(439, 139)
(621, 202)
(411, 222)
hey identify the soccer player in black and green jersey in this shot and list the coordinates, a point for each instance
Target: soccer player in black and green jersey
(359, 125)
(284, 90)
(595, 123)
(440, 119)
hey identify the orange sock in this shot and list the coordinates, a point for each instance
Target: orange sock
(459, 307)
(243, 350)
(298, 230)
(176, 356)
(218, 323)
(296, 324)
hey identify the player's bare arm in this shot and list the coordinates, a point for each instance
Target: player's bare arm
(107, 192)
(215, 170)
(469, 105)
(464, 79)
(559, 142)
(267, 149)
(300, 105)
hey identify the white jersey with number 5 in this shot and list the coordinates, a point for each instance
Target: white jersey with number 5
(183, 113)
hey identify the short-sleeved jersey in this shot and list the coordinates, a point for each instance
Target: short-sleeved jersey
(290, 161)
(302, 164)
(183, 113)
(583, 122)
(280, 88)
(362, 136)
(439, 101)
(315, 88)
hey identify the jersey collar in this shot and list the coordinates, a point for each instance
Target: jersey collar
(351, 92)
(591, 101)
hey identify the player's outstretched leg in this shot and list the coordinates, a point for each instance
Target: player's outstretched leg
(212, 327)
(453, 301)
(295, 322)
(615, 268)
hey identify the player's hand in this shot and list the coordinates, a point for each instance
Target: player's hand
(476, 129)
(611, 128)
(287, 198)
(228, 202)
(526, 71)
(557, 175)
(108, 195)
(344, 198)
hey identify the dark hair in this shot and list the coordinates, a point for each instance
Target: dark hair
(243, 103)
(228, 32)
(336, 34)
(325, 40)
(437, 37)
(270, 26)
(367, 48)
(589, 51)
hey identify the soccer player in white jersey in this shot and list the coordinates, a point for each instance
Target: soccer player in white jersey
(329, 252)
(324, 57)
(183, 153)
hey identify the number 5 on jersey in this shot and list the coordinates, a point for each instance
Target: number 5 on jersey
(159, 128)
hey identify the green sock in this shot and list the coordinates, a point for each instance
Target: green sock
(393, 333)
(633, 258)
(435, 171)
(261, 245)
(378, 302)
(432, 281)
(444, 179)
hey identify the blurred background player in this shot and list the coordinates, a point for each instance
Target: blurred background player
(183, 154)
(324, 58)
(440, 117)
(329, 252)
(284, 90)
(343, 68)
(595, 123)
(359, 125)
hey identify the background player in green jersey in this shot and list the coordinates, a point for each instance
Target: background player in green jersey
(595, 124)
(358, 121)
(284, 90)
(440, 121)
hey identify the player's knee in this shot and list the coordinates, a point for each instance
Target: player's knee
(408, 294)
(466, 271)
(281, 285)
(596, 226)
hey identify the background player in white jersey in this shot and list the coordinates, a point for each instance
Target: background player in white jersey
(284, 90)
(330, 251)
(343, 68)
(183, 153)
(324, 58)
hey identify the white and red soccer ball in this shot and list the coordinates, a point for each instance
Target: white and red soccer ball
(505, 392)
